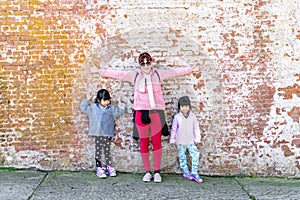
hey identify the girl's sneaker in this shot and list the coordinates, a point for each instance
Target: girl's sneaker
(197, 178)
(100, 172)
(187, 175)
(111, 171)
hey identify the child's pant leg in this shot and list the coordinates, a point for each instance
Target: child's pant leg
(98, 148)
(182, 157)
(106, 150)
(102, 145)
(98, 151)
(194, 153)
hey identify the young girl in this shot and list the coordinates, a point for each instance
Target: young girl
(185, 133)
(102, 116)
(148, 104)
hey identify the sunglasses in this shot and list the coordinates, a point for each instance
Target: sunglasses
(147, 63)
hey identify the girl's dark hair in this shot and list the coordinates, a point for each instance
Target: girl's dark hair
(143, 56)
(184, 101)
(102, 94)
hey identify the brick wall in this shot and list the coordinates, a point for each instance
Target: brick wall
(246, 98)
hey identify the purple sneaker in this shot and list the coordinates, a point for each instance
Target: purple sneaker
(111, 171)
(187, 175)
(197, 178)
(100, 172)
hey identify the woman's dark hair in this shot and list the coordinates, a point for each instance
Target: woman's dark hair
(102, 94)
(184, 101)
(143, 56)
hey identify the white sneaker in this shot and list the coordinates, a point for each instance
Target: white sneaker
(100, 172)
(147, 177)
(157, 178)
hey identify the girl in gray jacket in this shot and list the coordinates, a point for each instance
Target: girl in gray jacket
(102, 116)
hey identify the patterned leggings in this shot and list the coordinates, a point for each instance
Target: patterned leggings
(102, 145)
(194, 153)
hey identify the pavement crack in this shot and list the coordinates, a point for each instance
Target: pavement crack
(251, 196)
(37, 187)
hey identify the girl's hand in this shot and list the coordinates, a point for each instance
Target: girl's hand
(122, 106)
(173, 144)
(197, 143)
(91, 98)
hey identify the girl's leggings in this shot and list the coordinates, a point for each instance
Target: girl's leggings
(146, 131)
(194, 153)
(102, 144)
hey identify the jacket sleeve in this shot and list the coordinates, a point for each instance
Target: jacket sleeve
(173, 72)
(174, 130)
(85, 106)
(120, 75)
(117, 111)
(196, 129)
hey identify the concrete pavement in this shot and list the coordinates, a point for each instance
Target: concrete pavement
(66, 185)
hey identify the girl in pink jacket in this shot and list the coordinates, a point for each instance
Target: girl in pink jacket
(148, 102)
(185, 133)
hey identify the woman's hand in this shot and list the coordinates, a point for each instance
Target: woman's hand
(197, 67)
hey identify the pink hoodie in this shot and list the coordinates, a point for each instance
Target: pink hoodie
(141, 98)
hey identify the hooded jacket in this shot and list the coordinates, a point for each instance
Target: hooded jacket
(102, 119)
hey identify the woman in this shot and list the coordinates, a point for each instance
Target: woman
(148, 102)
